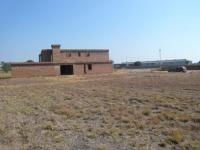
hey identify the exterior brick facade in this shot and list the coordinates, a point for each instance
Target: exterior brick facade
(56, 61)
(32, 70)
(73, 55)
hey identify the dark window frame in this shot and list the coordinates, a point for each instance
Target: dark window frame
(68, 54)
(88, 54)
(89, 66)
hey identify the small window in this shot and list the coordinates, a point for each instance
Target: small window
(89, 66)
(79, 54)
(88, 54)
(68, 54)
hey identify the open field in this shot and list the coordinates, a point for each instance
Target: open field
(120, 111)
(4, 75)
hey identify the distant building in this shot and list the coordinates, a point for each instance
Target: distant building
(57, 61)
(155, 64)
(173, 62)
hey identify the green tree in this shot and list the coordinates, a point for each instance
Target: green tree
(5, 66)
(30, 61)
(137, 63)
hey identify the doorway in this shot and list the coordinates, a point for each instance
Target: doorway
(66, 70)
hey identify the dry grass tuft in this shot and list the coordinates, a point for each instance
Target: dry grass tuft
(146, 112)
(162, 144)
(184, 118)
(175, 137)
(101, 147)
(195, 146)
(66, 110)
(48, 126)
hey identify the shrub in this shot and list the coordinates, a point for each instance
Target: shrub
(162, 144)
(6, 67)
(100, 147)
(65, 110)
(146, 112)
(195, 146)
(91, 135)
(48, 126)
(176, 137)
(30, 61)
(137, 63)
(183, 118)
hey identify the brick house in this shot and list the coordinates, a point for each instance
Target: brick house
(57, 61)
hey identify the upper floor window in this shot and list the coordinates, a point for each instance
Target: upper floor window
(88, 54)
(79, 54)
(68, 54)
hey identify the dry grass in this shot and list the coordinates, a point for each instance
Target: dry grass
(194, 146)
(4, 75)
(175, 137)
(123, 110)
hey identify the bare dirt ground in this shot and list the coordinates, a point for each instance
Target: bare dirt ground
(121, 111)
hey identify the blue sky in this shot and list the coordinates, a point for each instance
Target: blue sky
(132, 29)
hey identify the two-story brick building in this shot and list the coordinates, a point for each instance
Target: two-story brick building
(57, 61)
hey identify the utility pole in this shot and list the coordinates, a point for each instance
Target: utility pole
(160, 54)
(126, 62)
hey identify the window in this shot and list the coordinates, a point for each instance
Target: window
(89, 66)
(88, 54)
(68, 54)
(79, 54)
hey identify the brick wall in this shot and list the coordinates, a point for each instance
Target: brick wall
(96, 68)
(45, 56)
(71, 57)
(78, 69)
(35, 70)
(100, 68)
(51, 59)
(40, 69)
(55, 54)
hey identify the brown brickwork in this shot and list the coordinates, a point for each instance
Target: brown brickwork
(96, 68)
(56, 61)
(82, 56)
(100, 68)
(79, 69)
(35, 70)
(73, 55)
(45, 56)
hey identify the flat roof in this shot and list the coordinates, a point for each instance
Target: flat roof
(54, 63)
(80, 50)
